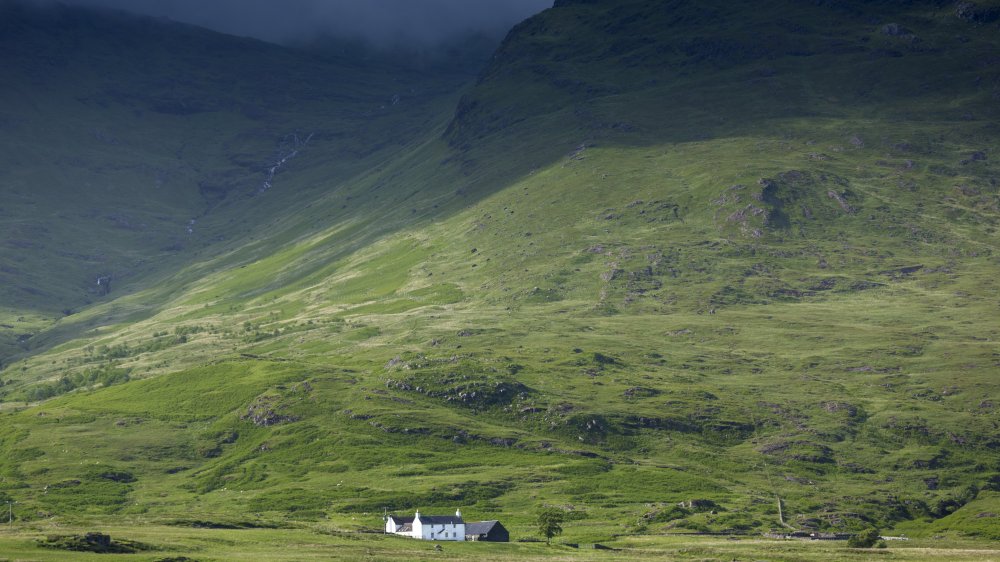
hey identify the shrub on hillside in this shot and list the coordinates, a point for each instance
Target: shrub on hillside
(865, 539)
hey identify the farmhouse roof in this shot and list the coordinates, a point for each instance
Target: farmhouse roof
(441, 520)
(401, 520)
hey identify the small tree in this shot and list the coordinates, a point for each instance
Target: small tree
(865, 539)
(550, 522)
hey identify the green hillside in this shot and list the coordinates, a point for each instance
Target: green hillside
(666, 266)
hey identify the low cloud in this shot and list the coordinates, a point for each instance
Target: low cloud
(380, 21)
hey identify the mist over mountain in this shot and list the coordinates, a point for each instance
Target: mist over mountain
(387, 23)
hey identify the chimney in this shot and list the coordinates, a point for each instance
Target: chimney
(458, 513)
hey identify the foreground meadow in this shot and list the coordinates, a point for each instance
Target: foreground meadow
(319, 543)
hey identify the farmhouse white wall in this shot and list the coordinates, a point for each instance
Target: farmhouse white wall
(438, 531)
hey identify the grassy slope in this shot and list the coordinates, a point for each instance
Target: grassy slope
(644, 265)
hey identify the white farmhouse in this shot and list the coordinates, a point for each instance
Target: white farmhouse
(428, 527)
(398, 525)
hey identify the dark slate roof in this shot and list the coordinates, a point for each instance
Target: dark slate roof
(406, 528)
(480, 527)
(401, 520)
(441, 520)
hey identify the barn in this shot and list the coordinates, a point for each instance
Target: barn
(492, 531)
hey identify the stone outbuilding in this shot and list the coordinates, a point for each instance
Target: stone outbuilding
(492, 531)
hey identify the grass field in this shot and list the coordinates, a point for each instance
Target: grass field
(322, 543)
(318, 543)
